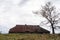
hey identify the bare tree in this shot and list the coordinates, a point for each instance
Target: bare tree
(49, 12)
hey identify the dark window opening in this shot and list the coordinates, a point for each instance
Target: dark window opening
(27, 31)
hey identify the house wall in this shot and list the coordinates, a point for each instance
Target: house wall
(27, 29)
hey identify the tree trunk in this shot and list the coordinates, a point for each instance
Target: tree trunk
(53, 32)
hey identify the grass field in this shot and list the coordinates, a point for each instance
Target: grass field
(26, 36)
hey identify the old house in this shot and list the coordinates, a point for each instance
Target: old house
(28, 29)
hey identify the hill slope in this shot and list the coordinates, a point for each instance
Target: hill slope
(25, 36)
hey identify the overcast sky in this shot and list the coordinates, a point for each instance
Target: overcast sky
(14, 12)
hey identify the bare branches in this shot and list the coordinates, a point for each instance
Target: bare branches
(49, 12)
(44, 23)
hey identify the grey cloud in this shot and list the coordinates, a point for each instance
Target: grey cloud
(15, 14)
(23, 2)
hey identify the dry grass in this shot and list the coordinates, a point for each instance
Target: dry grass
(26, 36)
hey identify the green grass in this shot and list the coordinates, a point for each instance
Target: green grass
(26, 36)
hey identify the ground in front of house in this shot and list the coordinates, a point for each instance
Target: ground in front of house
(29, 36)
